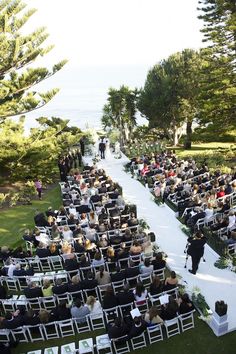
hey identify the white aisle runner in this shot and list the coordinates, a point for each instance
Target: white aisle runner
(215, 284)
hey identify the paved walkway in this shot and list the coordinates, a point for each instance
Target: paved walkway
(215, 284)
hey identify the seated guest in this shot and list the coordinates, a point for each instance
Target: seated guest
(71, 264)
(159, 262)
(79, 311)
(89, 282)
(84, 262)
(98, 259)
(118, 328)
(138, 327)
(110, 255)
(103, 277)
(45, 316)
(136, 248)
(169, 310)
(126, 296)
(59, 288)
(94, 307)
(42, 251)
(61, 312)
(119, 275)
(40, 219)
(75, 284)
(132, 271)
(33, 291)
(67, 234)
(185, 304)
(47, 288)
(54, 249)
(122, 251)
(152, 317)
(19, 272)
(109, 299)
(156, 286)
(13, 320)
(146, 268)
(67, 250)
(79, 244)
(31, 318)
(171, 282)
(140, 293)
(50, 212)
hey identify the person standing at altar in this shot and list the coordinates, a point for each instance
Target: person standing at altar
(102, 147)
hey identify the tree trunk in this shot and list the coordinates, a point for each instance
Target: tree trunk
(188, 141)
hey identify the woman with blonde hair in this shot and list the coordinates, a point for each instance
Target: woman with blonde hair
(67, 234)
(94, 307)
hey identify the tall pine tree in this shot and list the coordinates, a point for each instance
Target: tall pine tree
(17, 52)
(218, 94)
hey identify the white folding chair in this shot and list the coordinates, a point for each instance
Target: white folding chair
(142, 306)
(35, 303)
(120, 345)
(138, 342)
(110, 314)
(97, 322)
(103, 344)
(82, 324)
(35, 352)
(51, 330)
(52, 350)
(186, 321)
(118, 286)
(102, 290)
(145, 280)
(49, 302)
(86, 346)
(56, 262)
(68, 348)
(4, 335)
(155, 333)
(13, 284)
(20, 334)
(35, 333)
(88, 292)
(125, 309)
(66, 328)
(160, 273)
(9, 305)
(35, 264)
(172, 327)
(155, 300)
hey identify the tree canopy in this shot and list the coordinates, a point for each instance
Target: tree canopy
(17, 53)
(120, 111)
(169, 97)
(218, 79)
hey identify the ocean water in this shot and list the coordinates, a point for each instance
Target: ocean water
(83, 93)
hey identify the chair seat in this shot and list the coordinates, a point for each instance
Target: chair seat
(103, 342)
(52, 350)
(86, 346)
(68, 348)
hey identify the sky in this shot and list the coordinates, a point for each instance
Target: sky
(117, 32)
(108, 43)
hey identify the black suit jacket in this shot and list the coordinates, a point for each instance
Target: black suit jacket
(132, 272)
(88, 284)
(59, 289)
(31, 293)
(13, 323)
(118, 276)
(125, 297)
(43, 252)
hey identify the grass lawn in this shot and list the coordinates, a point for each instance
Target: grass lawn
(199, 340)
(14, 220)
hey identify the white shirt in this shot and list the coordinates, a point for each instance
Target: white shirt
(96, 310)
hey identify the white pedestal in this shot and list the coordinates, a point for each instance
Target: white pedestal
(219, 324)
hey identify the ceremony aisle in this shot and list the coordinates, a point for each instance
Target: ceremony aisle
(215, 284)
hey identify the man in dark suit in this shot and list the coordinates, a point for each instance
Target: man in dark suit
(102, 147)
(89, 282)
(126, 296)
(138, 327)
(12, 321)
(196, 250)
(33, 291)
(71, 264)
(119, 275)
(42, 251)
(59, 288)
